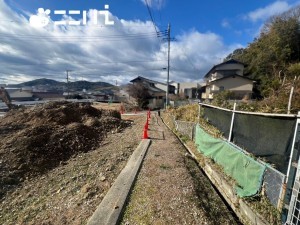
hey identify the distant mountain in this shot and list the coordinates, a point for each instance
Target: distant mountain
(42, 81)
(72, 86)
(79, 85)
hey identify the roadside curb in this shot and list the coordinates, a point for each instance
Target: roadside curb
(110, 209)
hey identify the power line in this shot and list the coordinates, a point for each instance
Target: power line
(150, 13)
(86, 38)
(85, 73)
(80, 36)
(81, 63)
(82, 39)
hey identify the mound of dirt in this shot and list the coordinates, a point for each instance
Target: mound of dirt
(35, 140)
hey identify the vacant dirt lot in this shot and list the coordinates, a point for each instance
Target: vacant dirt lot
(59, 173)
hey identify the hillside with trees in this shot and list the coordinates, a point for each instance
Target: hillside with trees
(273, 60)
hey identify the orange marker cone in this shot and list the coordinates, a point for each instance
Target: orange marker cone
(145, 136)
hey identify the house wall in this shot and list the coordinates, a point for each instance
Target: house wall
(187, 85)
(20, 94)
(240, 86)
(214, 76)
(161, 86)
(164, 88)
(234, 66)
(219, 74)
(158, 94)
(176, 85)
(233, 84)
(156, 103)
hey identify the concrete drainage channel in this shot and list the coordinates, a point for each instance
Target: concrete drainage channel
(110, 209)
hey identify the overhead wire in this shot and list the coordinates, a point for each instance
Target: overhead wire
(81, 73)
(116, 37)
(151, 16)
(86, 63)
(85, 38)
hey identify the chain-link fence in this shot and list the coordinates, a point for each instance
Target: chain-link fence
(249, 126)
(267, 137)
(218, 118)
(274, 186)
(186, 128)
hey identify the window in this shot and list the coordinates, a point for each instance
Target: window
(221, 88)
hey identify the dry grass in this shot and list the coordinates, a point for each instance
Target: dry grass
(101, 105)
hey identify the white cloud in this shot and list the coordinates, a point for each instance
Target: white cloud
(194, 53)
(225, 23)
(157, 4)
(268, 11)
(101, 53)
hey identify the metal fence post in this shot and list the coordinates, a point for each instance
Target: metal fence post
(232, 121)
(199, 113)
(293, 146)
(294, 189)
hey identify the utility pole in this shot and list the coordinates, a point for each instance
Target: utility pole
(68, 81)
(169, 45)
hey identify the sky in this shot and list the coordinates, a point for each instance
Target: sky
(115, 41)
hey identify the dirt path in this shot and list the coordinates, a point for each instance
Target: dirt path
(170, 188)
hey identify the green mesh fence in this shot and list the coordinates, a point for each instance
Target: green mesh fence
(247, 172)
(218, 118)
(266, 137)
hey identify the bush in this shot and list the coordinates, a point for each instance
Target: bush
(221, 98)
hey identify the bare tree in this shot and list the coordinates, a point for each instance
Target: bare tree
(140, 93)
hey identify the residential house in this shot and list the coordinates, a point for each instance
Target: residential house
(228, 75)
(156, 89)
(189, 89)
(20, 94)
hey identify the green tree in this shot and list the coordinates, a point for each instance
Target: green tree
(272, 52)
